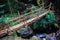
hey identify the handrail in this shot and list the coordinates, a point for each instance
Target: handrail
(22, 15)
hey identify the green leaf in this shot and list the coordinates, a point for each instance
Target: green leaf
(2, 5)
(35, 24)
(1, 20)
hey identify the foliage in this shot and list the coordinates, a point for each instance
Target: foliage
(1, 9)
(0, 20)
(49, 19)
(44, 22)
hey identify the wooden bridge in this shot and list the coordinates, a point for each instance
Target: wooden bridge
(25, 20)
(24, 23)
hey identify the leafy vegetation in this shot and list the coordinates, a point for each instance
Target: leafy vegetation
(45, 21)
(13, 6)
